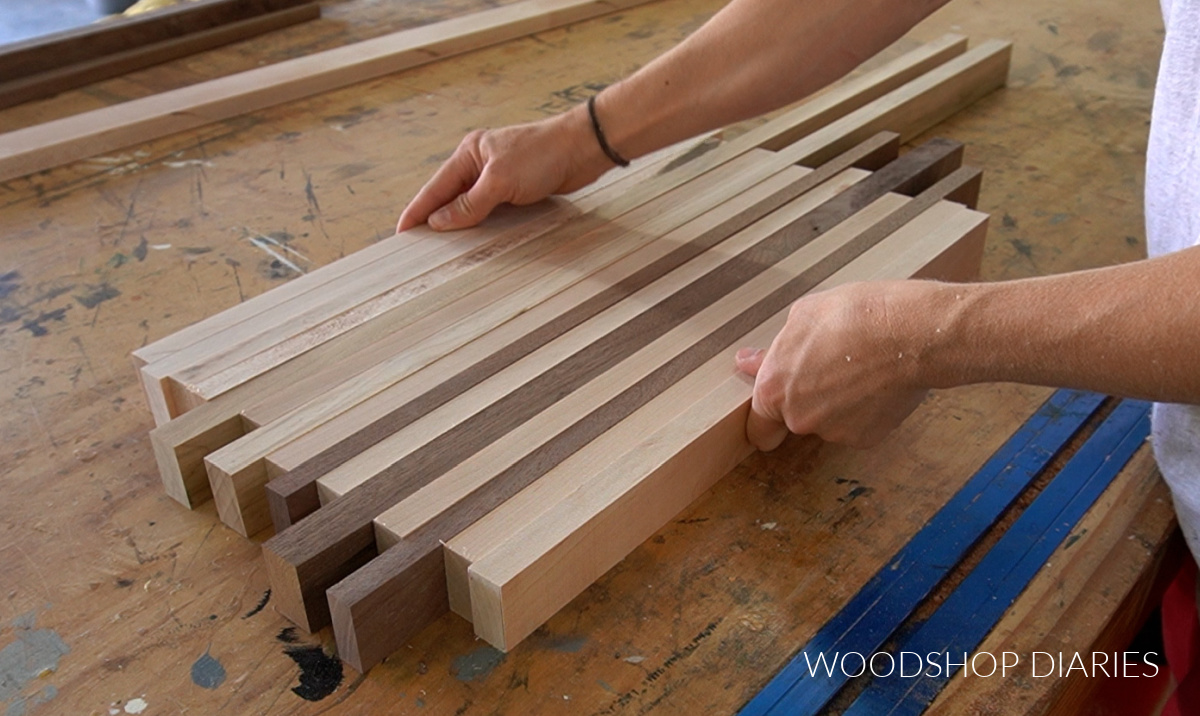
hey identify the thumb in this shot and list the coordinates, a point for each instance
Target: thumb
(470, 208)
(749, 360)
(763, 431)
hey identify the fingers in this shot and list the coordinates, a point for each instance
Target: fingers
(764, 431)
(470, 207)
(460, 172)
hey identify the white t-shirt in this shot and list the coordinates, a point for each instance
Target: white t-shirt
(1172, 224)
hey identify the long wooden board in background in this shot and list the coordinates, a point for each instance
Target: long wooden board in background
(44, 146)
(116, 35)
(60, 79)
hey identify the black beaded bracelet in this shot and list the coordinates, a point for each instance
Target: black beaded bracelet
(608, 151)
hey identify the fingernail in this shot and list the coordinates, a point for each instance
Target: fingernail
(439, 219)
(748, 353)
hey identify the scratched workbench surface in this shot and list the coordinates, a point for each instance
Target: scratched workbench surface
(115, 599)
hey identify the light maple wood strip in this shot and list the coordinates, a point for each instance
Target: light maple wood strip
(580, 202)
(913, 108)
(843, 99)
(232, 328)
(58, 142)
(280, 322)
(238, 472)
(393, 596)
(792, 126)
(59, 79)
(181, 444)
(379, 457)
(544, 562)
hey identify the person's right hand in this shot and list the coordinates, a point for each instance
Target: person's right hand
(521, 164)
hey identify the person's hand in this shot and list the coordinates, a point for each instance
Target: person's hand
(845, 366)
(521, 164)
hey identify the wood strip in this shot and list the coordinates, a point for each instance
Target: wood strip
(238, 472)
(298, 495)
(364, 465)
(399, 592)
(806, 118)
(547, 559)
(41, 147)
(912, 109)
(792, 126)
(116, 35)
(844, 99)
(308, 558)
(181, 444)
(53, 81)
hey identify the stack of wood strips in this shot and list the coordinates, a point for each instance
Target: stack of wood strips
(486, 422)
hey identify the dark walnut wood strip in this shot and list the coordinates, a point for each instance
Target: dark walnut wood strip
(60, 79)
(294, 494)
(312, 555)
(380, 606)
(82, 44)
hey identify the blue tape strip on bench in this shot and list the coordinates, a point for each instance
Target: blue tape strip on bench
(973, 609)
(890, 597)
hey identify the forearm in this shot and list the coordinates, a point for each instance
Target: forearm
(751, 57)
(1131, 330)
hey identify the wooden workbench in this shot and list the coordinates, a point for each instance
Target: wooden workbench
(116, 599)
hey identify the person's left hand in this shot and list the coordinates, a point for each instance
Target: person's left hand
(845, 366)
